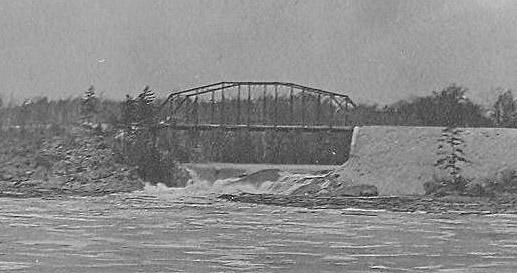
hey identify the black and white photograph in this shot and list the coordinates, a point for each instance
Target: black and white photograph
(258, 136)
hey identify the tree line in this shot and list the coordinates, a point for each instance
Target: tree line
(449, 107)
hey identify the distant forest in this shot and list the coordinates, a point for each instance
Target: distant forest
(448, 107)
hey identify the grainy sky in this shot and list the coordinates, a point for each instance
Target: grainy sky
(375, 51)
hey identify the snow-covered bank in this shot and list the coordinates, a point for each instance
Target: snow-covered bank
(398, 160)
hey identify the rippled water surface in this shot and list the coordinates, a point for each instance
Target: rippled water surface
(167, 232)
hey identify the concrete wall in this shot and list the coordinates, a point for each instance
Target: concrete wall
(399, 160)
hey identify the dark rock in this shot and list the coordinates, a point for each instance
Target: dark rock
(259, 177)
(6, 177)
(312, 188)
(432, 186)
(323, 172)
(41, 173)
(462, 205)
(475, 189)
(356, 191)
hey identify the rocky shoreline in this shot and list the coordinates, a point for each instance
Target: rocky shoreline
(447, 204)
(81, 163)
(76, 163)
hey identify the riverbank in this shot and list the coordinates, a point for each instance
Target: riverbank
(448, 204)
(79, 162)
(75, 162)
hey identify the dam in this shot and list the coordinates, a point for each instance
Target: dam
(397, 160)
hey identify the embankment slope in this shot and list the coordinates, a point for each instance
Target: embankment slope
(399, 160)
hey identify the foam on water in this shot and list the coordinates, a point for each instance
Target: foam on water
(259, 184)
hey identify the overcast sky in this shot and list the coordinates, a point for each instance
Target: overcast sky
(375, 51)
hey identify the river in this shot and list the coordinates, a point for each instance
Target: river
(167, 230)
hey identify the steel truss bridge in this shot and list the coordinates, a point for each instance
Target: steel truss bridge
(256, 106)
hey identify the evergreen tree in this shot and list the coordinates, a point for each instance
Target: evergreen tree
(139, 121)
(129, 114)
(451, 156)
(89, 104)
(146, 108)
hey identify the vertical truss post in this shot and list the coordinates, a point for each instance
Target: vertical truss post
(195, 132)
(222, 121)
(346, 112)
(186, 113)
(249, 106)
(196, 109)
(291, 105)
(332, 111)
(212, 108)
(303, 107)
(239, 104)
(276, 104)
(318, 110)
(264, 119)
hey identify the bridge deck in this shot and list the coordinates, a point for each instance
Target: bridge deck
(236, 127)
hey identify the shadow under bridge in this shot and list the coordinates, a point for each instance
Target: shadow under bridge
(260, 122)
